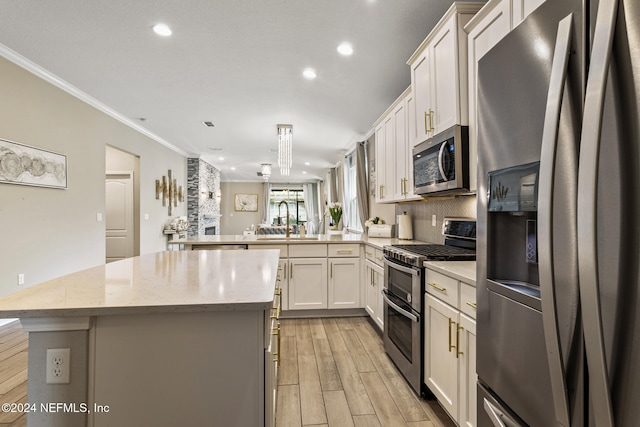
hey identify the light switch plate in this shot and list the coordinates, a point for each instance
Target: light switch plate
(434, 220)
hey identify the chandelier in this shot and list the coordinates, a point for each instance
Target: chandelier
(265, 170)
(285, 142)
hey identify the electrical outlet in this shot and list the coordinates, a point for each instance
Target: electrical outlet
(21, 279)
(434, 220)
(58, 365)
(99, 217)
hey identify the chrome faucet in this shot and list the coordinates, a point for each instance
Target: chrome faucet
(286, 205)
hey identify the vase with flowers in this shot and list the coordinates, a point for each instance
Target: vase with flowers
(335, 212)
(373, 222)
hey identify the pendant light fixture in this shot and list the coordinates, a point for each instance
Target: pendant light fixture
(285, 142)
(265, 170)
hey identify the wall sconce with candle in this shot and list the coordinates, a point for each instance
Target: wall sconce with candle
(171, 192)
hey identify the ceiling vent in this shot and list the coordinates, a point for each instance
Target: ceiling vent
(208, 124)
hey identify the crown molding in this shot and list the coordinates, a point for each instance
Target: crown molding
(51, 78)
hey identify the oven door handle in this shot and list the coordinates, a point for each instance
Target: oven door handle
(400, 310)
(408, 270)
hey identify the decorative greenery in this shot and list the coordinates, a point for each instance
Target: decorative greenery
(374, 220)
(335, 211)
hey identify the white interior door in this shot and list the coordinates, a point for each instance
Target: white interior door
(119, 218)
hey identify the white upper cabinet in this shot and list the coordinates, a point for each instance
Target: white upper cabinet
(439, 75)
(394, 166)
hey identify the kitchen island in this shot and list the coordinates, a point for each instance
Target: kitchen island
(165, 339)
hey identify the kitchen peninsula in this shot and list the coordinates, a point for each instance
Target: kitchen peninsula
(164, 339)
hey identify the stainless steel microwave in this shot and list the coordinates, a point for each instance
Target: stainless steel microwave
(441, 164)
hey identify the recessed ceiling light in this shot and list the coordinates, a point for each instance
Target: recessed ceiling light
(307, 164)
(304, 172)
(345, 49)
(162, 30)
(233, 168)
(221, 158)
(309, 73)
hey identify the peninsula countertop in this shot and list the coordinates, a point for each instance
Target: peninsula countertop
(235, 239)
(163, 282)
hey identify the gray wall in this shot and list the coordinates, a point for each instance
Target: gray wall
(50, 232)
(233, 222)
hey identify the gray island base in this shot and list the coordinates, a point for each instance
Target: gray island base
(166, 339)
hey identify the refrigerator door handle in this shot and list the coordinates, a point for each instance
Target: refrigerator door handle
(545, 221)
(587, 219)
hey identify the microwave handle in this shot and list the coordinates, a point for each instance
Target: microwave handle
(440, 161)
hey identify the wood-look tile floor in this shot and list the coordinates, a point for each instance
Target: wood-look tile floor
(13, 372)
(334, 372)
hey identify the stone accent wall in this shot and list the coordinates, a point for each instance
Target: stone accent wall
(203, 202)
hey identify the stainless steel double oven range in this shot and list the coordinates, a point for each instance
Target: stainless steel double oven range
(403, 293)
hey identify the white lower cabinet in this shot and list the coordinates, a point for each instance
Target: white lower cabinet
(344, 283)
(374, 282)
(308, 283)
(450, 349)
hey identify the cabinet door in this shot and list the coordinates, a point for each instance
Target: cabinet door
(380, 163)
(482, 37)
(400, 152)
(388, 159)
(344, 283)
(445, 100)
(283, 280)
(468, 377)
(378, 278)
(271, 361)
(440, 363)
(370, 298)
(307, 283)
(422, 93)
(522, 9)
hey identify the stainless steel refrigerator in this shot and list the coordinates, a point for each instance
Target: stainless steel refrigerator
(558, 225)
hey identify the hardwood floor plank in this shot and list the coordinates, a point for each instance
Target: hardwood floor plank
(20, 422)
(386, 410)
(438, 416)
(317, 329)
(304, 342)
(311, 400)
(334, 336)
(288, 373)
(371, 341)
(354, 389)
(338, 414)
(420, 424)
(404, 397)
(10, 383)
(288, 406)
(288, 328)
(16, 395)
(327, 370)
(359, 355)
(366, 421)
(17, 347)
(344, 323)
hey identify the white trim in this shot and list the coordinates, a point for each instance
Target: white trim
(51, 324)
(49, 77)
(6, 321)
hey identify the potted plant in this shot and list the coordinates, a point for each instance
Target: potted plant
(335, 212)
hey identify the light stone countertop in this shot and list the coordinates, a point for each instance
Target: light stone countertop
(163, 282)
(464, 271)
(233, 239)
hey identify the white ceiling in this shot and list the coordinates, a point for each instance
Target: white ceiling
(236, 63)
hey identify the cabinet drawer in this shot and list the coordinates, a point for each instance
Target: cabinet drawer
(441, 286)
(374, 255)
(344, 250)
(282, 248)
(307, 251)
(468, 299)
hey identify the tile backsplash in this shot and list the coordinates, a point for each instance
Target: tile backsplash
(422, 213)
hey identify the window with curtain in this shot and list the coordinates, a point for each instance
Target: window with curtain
(350, 194)
(295, 201)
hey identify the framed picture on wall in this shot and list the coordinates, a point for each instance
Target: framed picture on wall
(246, 202)
(25, 165)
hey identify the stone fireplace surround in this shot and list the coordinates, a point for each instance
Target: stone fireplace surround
(203, 197)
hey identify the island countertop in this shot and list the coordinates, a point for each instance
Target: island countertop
(163, 282)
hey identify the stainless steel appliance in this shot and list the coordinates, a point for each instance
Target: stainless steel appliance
(558, 204)
(404, 290)
(441, 164)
